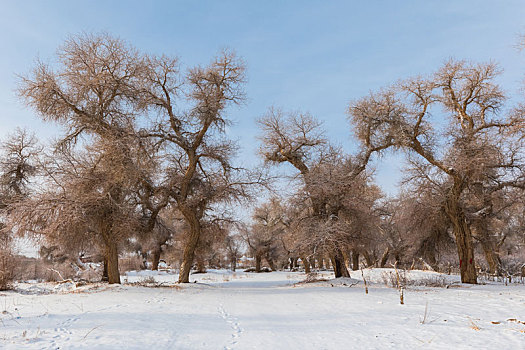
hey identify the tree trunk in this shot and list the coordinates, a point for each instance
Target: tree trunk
(105, 271)
(338, 263)
(189, 248)
(313, 265)
(233, 264)
(384, 258)
(258, 259)
(327, 263)
(295, 263)
(462, 233)
(156, 259)
(490, 248)
(368, 259)
(491, 256)
(306, 264)
(270, 262)
(320, 262)
(112, 258)
(355, 260)
(201, 266)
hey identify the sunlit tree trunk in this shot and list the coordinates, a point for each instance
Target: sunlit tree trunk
(462, 234)
(189, 247)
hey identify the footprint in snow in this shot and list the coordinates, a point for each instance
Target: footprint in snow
(234, 324)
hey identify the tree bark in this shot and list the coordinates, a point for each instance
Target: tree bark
(105, 271)
(112, 258)
(368, 259)
(258, 259)
(201, 266)
(338, 263)
(156, 259)
(491, 256)
(306, 264)
(190, 246)
(355, 260)
(384, 258)
(270, 262)
(320, 262)
(462, 233)
(490, 248)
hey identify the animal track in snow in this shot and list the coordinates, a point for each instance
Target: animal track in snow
(234, 324)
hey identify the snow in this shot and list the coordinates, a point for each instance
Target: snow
(226, 310)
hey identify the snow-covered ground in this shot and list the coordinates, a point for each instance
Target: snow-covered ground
(226, 310)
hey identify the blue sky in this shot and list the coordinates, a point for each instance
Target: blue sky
(313, 56)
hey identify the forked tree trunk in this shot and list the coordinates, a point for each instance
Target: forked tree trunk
(156, 259)
(112, 257)
(233, 264)
(355, 260)
(462, 234)
(189, 248)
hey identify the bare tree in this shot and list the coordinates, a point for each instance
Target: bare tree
(298, 139)
(84, 200)
(233, 250)
(93, 93)
(17, 167)
(200, 173)
(264, 236)
(469, 97)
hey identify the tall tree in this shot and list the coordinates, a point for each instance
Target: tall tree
(93, 93)
(466, 96)
(191, 128)
(298, 139)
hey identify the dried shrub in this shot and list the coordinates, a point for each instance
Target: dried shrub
(391, 280)
(314, 277)
(395, 281)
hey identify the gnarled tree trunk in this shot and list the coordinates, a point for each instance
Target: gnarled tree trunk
(462, 234)
(189, 248)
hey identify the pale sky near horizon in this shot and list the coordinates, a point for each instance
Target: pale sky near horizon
(313, 56)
